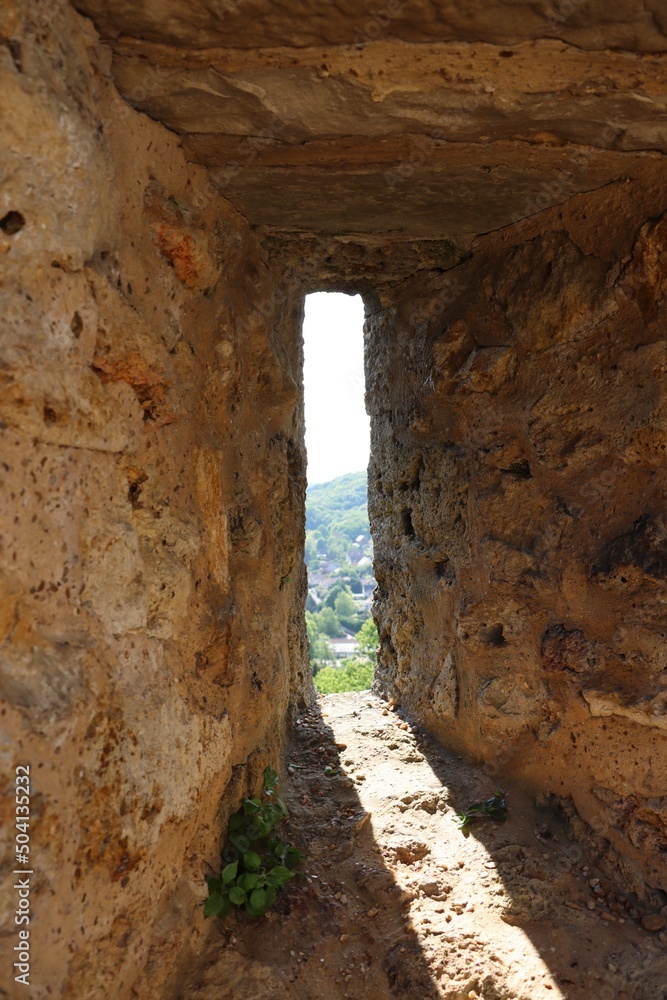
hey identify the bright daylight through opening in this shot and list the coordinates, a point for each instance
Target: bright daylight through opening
(342, 634)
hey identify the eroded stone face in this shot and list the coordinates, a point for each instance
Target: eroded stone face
(152, 503)
(516, 497)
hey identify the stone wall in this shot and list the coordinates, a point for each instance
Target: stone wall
(151, 582)
(517, 493)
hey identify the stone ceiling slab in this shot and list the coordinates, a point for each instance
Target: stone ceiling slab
(460, 92)
(459, 193)
(446, 122)
(635, 25)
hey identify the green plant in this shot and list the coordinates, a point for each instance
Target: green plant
(493, 808)
(257, 863)
(350, 677)
(368, 640)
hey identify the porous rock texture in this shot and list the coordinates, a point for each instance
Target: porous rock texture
(517, 497)
(175, 177)
(152, 581)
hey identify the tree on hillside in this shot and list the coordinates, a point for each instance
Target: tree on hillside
(368, 640)
(310, 549)
(327, 622)
(312, 627)
(326, 502)
(350, 676)
(332, 595)
(351, 577)
(320, 653)
(344, 605)
(311, 605)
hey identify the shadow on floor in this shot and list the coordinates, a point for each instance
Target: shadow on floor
(349, 856)
(397, 904)
(340, 933)
(585, 929)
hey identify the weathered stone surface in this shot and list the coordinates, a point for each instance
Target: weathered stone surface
(631, 24)
(149, 380)
(517, 512)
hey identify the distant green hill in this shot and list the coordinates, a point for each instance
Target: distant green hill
(338, 508)
(339, 568)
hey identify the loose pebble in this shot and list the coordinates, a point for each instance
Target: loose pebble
(654, 922)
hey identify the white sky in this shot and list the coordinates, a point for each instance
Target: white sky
(337, 428)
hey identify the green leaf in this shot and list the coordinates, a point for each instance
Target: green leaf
(252, 861)
(495, 808)
(252, 878)
(229, 873)
(254, 831)
(216, 905)
(258, 899)
(269, 816)
(250, 882)
(271, 780)
(278, 876)
(273, 813)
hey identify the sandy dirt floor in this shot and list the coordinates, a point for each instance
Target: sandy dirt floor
(399, 903)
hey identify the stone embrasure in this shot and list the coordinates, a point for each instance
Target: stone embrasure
(175, 178)
(516, 494)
